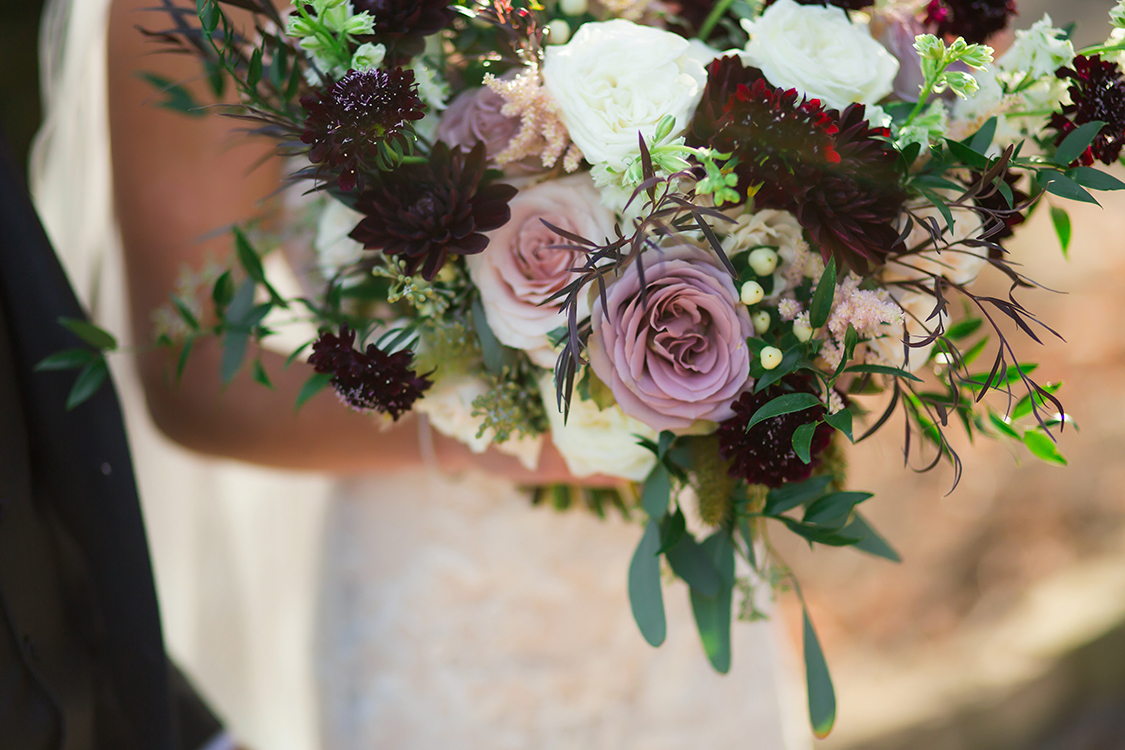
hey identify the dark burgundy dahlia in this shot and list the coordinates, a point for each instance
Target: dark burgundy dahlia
(764, 454)
(423, 213)
(350, 120)
(371, 380)
(975, 20)
(850, 208)
(845, 4)
(402, 24)
(1097, 92)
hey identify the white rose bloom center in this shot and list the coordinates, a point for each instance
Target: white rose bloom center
(615, 79)
(821, 53)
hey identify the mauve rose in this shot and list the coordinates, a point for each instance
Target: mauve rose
(474, 117)
(680, 355)
(519, 270)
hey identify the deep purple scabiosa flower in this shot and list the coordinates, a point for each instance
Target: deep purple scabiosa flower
(423, 213)
(764, 454)
(1097, 92)
(350, 120)
(850, 208)
(845, 4)
(975, 20)
(371, 380)
(402, 25)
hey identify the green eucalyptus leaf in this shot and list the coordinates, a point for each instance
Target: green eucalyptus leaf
(967, 155)
(1057, 183)
(235, 344)
(842, 421)
(254, 71)
(789, 496)
(96, 337)
(223, 290)
(645, 595)
(657, 492)
(673, 527)
(1095, 179)
(691, 563)
(1043, 447)
(68, 359)
(1061, 219)
(260, 374)
(785, 404)
(89, 380)
(982, 139)
(1002, 426)
(964, 328)
(896, 372)
(802, 441)
(822, 696)
(314, 385)
(869, 540)
(496, 356)
(822, 299)
(1077, 141)
(713, 613)
(833, 510)
(1025, 405)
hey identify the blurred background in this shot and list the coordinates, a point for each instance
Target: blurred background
(1004, 626)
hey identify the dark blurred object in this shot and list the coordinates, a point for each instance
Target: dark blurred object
(82, 660)
(19, 75)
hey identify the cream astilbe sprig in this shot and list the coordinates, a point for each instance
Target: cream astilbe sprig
(542, 133)
(869, 311)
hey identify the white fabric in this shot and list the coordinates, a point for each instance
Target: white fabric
(449, 615)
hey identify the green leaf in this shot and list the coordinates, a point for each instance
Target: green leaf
(822, 696)
(1095, 179)
(802, 441)
(252, 264)
(645, 595)
(235, 344)
(964, 328)
(842, 421)
(672, 530)
(186, 313)
(1077, 141)
(833, 510)
(869, 540)
(967, 155)
(748, 537)
(1024, 406)
(254, 71)
(260, 374)
(173, 95)
(769, 377)
(96, 337)
(791, 495)
(691, 563)
(786, 404)
(1002, 426)
(819, 534)
(896, 372)
(1061, 219)
(1057, 183)
(822, 298)
(713, 613)
(185, 352)
(90, 379)
(1043, 448)
(657, 492)
(312, 386)
(223, 290)
(982, 140)
(496, 356)
(68, 359)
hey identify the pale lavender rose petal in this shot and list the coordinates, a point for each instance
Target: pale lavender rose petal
(680, 355)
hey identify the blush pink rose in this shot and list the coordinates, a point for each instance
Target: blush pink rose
(520, 270)
(679, 355)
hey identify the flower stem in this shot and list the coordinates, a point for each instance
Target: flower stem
(712, 19)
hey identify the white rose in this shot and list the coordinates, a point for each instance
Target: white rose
(960, 263)
(597, 441)
(520, 271)
(821, 53)
(449, 407)
(615, 79)
(888, 349)
(335, 250)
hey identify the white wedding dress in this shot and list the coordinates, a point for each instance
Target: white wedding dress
(400, 611)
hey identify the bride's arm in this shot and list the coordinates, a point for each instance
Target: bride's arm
(177, 179)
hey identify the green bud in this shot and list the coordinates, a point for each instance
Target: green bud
(1117, 15)
(929, 47)
(368, 56)
(977, 56)
(962, 84)
(664, 128)
(361, 23)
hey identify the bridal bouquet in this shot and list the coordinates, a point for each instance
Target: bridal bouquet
(697, 245)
